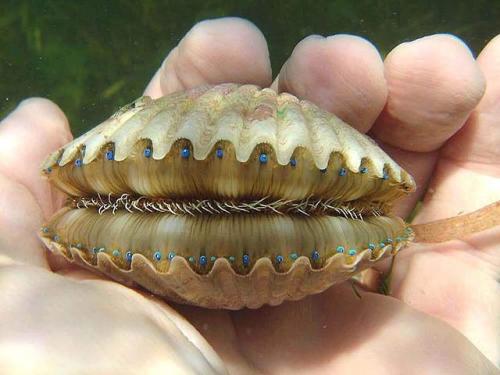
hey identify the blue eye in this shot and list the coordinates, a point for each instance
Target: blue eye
(219, 153)
(279, 259)
(315, 255)
(157, 255)
(185, 153)
(246, 260)
(263, 158)
(203, 260)
(148, 152)
(78, 162)
(340, 249)
(342, 172)
(293, 162)
(110, 155)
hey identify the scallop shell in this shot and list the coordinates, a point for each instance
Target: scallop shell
(226, 196)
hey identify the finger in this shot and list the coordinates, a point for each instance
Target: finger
(342, 74)
(478, 141)
(434, 84)
(457, 282)
(33, 130)
(217, 328)
(336, 331)
(20, 221)
(469, 165)
(40, 313)
(214, 51)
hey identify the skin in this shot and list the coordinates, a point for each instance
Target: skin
(430, 104)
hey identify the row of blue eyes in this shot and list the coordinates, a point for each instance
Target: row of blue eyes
(263, 158)
(315, 256)
(203, 260)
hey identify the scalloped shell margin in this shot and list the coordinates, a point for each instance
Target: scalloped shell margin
(133, 124)
(222, 287)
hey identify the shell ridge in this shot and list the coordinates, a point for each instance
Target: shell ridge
(94, 143)
(293, 128)
(70, 150)
(161, 128)
(125, 136)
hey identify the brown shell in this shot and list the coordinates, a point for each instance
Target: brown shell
(231, 144)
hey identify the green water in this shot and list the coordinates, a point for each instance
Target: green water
(91, 57)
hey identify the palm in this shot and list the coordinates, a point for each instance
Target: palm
(320, 334)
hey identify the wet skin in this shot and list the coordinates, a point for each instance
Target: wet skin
(431, 105)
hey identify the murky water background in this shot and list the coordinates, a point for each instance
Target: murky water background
(91, 57)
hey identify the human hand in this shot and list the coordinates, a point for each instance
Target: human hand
(442, 317)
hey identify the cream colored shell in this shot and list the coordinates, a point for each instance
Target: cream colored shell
(243, 115)
(242, 121)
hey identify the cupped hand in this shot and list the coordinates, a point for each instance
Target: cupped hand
(430, 105)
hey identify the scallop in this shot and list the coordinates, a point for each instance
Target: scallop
(226, 196)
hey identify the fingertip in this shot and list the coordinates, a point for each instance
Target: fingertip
(233, 50)
(28, 135)
(444, 57)
(153, 89)
(43, 104)
(489, 63)
(343, 74)
(215, 51)
(476, 144)
(47, 116)
(21, 219)
(434, 84)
